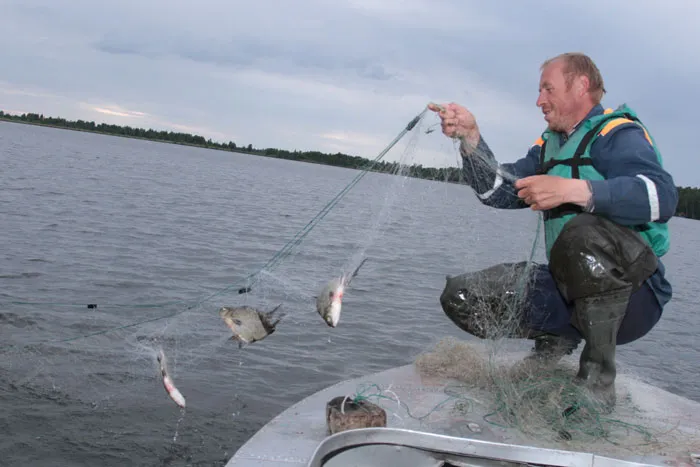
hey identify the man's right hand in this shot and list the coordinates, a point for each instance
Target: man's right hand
(457, 122)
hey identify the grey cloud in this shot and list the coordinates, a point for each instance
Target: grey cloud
(124, 47)
(184, 63)
(320, 52)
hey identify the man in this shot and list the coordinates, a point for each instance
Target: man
(598, 179)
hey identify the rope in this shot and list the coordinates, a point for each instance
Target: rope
(251, 279)
(360, 396)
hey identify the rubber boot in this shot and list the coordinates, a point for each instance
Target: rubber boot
(598, 318)
(550, 348)
(597, 264)
(546, 353)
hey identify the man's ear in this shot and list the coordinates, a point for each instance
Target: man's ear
(581, 84)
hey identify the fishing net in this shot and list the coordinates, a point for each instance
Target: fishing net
(106, 286)
(545, 406)
(97, 359)
(541, 401)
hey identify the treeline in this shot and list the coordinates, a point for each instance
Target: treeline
(450, 174)
(688, 203)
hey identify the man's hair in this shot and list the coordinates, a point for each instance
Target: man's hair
(577, 64)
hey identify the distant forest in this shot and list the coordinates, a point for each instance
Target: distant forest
(688, 202)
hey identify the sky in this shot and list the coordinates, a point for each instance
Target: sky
(347, 75)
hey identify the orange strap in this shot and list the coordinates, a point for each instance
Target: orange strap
(607, 128)
(619, 121)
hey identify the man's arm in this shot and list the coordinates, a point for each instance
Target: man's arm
(637, 189)
(492, 181)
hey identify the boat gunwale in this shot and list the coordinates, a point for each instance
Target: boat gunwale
(464, 447)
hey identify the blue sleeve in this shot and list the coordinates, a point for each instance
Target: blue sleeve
(636, 189)
(493, 182)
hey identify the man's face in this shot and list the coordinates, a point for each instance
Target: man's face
(558, 103)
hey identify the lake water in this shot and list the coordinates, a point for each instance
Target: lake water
(134, 226)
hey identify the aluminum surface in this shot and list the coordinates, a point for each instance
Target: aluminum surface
(292, 438)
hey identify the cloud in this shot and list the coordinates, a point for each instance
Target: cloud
(119, 112)
(345, 75)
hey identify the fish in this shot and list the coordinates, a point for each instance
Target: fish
(329, 301)
(248, 324)
(168, 383)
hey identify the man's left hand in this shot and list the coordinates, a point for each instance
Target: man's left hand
(544, 192)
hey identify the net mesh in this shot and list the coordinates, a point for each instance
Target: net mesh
(106, 358)
(548, 409)
(539, 399)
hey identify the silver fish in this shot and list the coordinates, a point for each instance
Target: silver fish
(168, 383)
(248, 324)
(330, 300)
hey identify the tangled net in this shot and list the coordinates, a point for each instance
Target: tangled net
(547, 407)
(541, 400)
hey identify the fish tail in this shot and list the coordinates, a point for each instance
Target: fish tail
(271, 312)
(162, 362)
(276, 322)
(354, 273)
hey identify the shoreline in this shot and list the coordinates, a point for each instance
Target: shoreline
(689, 197)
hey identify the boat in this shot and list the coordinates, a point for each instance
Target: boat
(423, 427)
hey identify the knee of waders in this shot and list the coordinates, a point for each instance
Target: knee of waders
(593, 255)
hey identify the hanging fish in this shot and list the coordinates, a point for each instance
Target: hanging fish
(330, 301)
(173, 392)
(248, 324)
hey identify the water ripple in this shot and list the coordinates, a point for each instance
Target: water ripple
(108, 220)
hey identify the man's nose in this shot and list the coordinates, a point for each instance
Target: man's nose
(540, 100)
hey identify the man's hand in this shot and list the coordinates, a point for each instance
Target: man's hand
(457, 122)
(544, 192)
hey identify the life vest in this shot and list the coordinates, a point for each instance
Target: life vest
(572, 160)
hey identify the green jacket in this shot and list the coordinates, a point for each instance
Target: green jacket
(572, 160)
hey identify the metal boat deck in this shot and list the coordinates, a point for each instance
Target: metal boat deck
(432, 434)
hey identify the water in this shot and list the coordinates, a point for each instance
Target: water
(112, 221)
